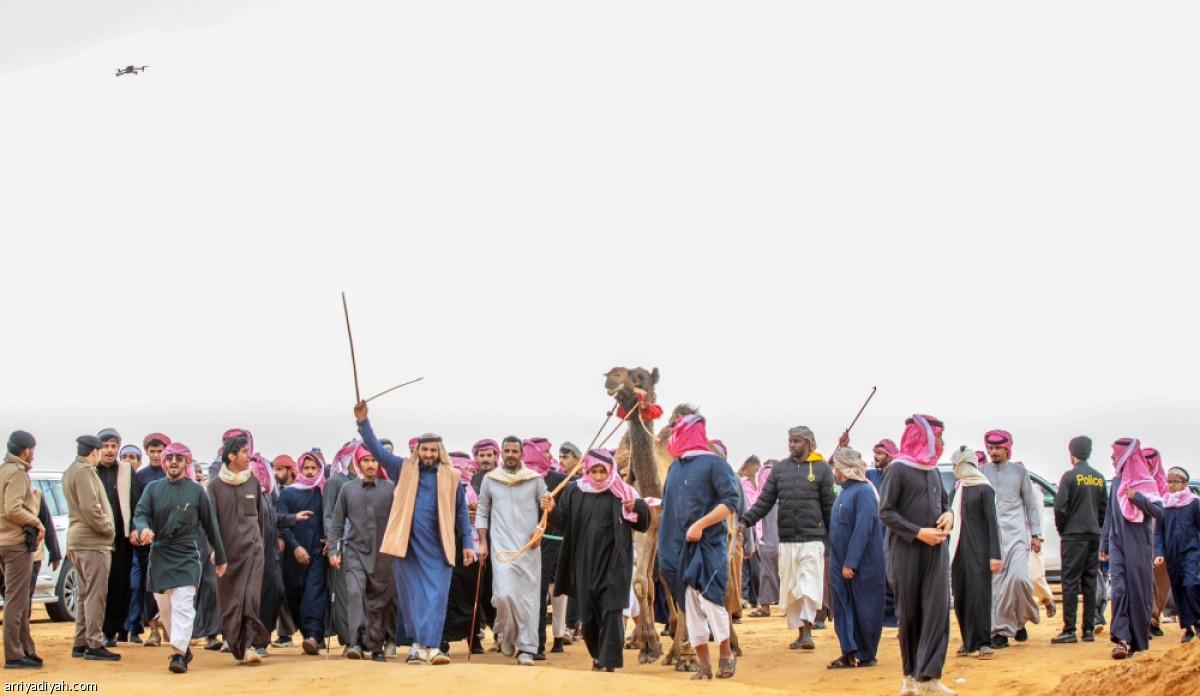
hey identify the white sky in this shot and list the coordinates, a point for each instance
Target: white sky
(982, 208)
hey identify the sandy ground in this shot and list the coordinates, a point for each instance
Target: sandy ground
(768, 666)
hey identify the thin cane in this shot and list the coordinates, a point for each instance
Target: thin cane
(510, 556)
(475, 610)
(353, 362)
(860, 411)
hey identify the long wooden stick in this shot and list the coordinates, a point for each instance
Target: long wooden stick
(860, 411)
(510, 556)
(353, 362)
(475, 611)
(385, 391)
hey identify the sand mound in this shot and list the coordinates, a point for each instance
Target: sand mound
(1173, 674)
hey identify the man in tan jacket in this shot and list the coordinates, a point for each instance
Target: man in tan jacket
(18, 512)
(89, 546)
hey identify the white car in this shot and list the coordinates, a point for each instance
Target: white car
(55, 588)
(1051, 545)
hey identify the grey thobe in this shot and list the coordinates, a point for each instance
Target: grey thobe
(1018, 511)
(336, 581)
(361, 514)
(510, 514)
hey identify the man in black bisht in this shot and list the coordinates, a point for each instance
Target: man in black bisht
(122, 488)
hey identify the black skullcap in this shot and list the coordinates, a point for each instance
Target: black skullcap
(86, 444)
(109, 434)
(20, 441)
(1081, 447)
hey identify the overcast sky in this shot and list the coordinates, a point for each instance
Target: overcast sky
(984, 209)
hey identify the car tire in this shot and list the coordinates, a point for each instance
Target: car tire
(67, 592)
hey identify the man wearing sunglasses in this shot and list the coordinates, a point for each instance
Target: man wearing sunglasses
(173, 518)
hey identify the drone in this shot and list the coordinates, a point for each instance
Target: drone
(131, 70)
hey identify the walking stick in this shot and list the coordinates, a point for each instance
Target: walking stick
(475, 610)
(860, 411)
(353, 362)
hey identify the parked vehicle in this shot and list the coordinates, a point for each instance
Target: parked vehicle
(55, 588)
(1051, 545)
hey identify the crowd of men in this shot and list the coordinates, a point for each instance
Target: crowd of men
(380, 550)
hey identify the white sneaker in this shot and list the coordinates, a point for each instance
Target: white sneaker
(935, 686)
(251, 657)
(908, 687)
(507, 649)
(414, 656)
(525, 660)
(437, 657)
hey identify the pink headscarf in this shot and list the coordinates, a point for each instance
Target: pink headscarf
(262, 469)
(1184, 497)
(689, 437)
(887, 447)
(180, 448)
(535, 453)
(764, 472)
(999, 438)
(361, 451)
(234, 432)
(1154, 459)
(1134, 470)
(307, 483)
(919, 447)
(613, 484)
(462, 462)
(483, 445)
(344, 461)
(719, 447)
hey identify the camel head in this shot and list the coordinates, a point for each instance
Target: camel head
(625, 385)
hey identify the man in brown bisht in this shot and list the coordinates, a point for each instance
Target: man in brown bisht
(89, 546)
(237, 499)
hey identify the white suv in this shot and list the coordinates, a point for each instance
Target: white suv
(55, 588)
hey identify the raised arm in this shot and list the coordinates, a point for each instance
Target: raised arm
(384, 457)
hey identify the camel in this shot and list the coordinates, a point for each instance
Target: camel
(644, 456)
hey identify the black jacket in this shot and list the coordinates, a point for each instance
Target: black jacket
(1079, 503)
(804, 506)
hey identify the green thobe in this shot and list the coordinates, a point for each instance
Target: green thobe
(181, 515)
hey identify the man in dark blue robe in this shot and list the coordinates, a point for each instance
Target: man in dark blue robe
(856, 570)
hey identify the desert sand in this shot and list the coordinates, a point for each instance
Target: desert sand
(767, 667)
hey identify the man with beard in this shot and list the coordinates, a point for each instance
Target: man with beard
(485, 454)
(122, 488)
(144, 608)
(914, 507)
(802, 485)
(285, 470)
(89, 546)
(1127, 542)
(173, 519)
(237, 497)
(883, 452)
(1018, 509)
(509, 511)
(19, 513)
(429, 522)
(359, 520)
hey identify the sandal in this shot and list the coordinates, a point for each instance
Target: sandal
(702, 673)
(963, 652)
(842, 663)
(1121, 651)
(795, 645)
(759, 613)
(985, 653)
(726, 667)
